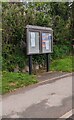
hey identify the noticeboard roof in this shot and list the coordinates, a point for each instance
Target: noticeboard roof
(38, 27)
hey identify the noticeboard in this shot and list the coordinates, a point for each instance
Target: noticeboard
(39, 40)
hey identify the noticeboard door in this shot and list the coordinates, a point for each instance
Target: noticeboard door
(33, 43)
(46, 42)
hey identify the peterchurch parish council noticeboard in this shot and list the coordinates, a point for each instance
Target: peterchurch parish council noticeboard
(39, 40)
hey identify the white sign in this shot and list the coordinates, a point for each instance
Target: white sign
(50, 37)
(32, 39)
(33, 35)
(47, 45)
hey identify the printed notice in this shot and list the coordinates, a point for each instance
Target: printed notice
(32, 39)
(47, 45)
(32, 35)
(49, 37)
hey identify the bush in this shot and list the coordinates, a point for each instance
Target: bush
(15, 17)
(12, 56)
(40, 59)
(60, 51)
(65, 64)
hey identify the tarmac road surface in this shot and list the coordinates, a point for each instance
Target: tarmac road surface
(50, 100)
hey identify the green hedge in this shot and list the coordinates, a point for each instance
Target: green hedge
(20, 59)
(60, 51)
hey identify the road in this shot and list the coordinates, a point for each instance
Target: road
(49, 100)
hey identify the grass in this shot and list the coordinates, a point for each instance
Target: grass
(64, 64)
(11, 81)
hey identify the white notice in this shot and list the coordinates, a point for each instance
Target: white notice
(47, 45)
(32, 39)
(33, 35)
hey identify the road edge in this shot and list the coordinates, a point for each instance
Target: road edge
(36, 84)
(54, 79)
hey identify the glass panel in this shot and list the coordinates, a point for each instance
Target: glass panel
(46, 42)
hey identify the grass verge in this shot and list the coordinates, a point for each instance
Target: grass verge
(64, 64)
(11, 81)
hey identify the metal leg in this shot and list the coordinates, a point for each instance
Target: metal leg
(30, 64)
(47, 62)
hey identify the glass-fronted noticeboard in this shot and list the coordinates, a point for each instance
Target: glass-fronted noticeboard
(39, 40)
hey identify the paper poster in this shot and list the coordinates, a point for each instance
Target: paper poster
(43, 44)
(47, 45)
(32, 39)
(49, 37)
(44, 36)
(32, 35)
(32, 42)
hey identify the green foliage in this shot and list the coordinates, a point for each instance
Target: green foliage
(39, 59)
(12, 57)
(15, 17)
(64, 64)
(60, 51)
(0, 62)
(61, 14)
(11, 81)
(13, 35)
